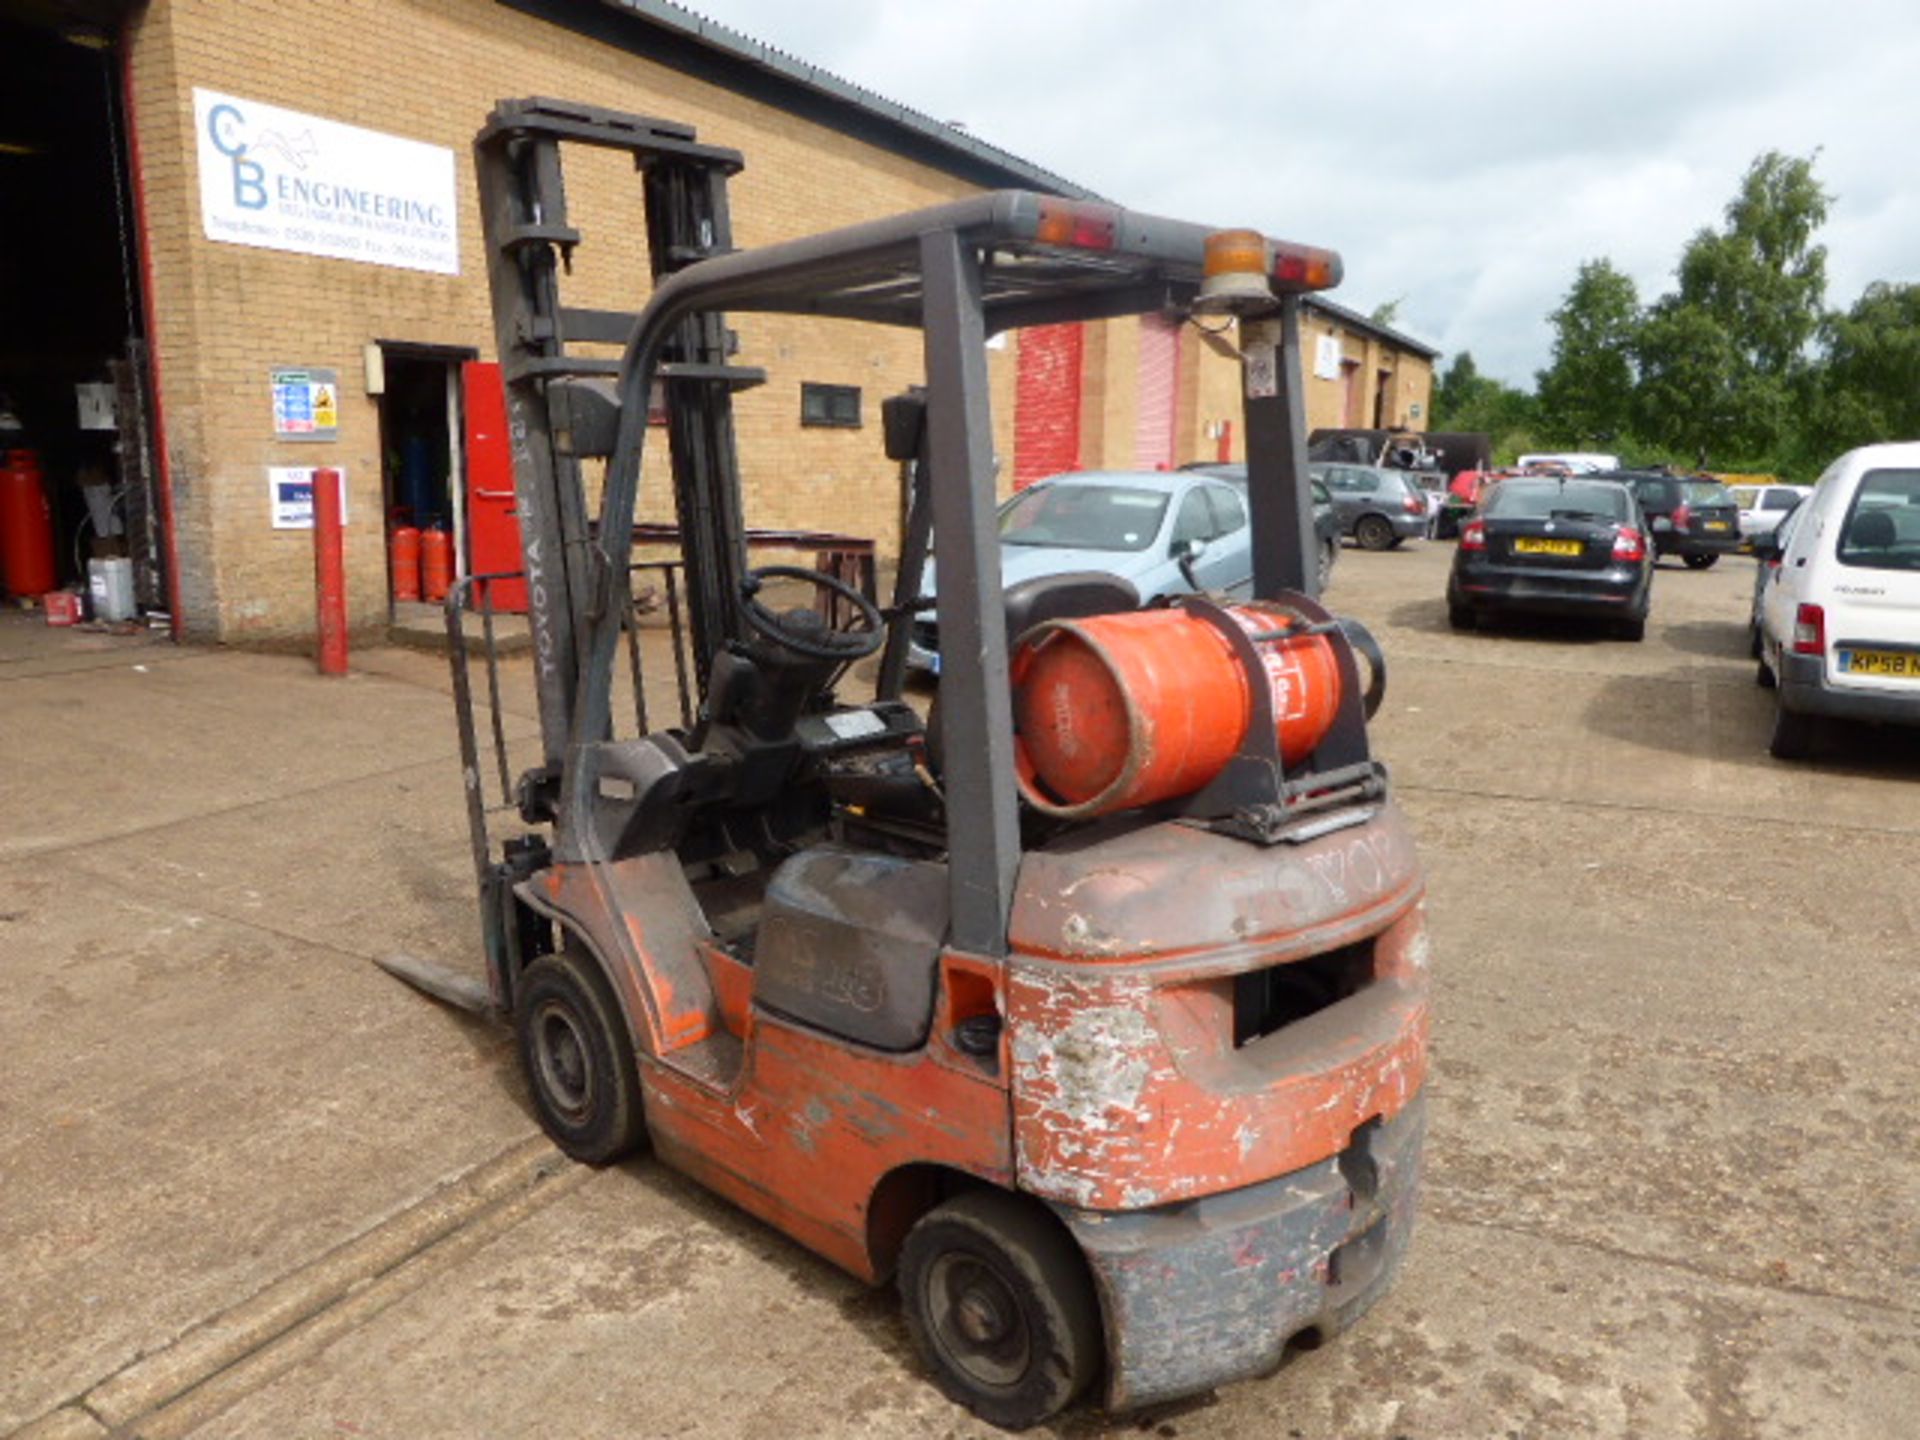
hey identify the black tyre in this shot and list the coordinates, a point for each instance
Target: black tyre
(1792, 734)
(1374, 532)
(1763, 674)
(578, 1059)
(1461, 617)
(1001, 1307)
(1753, 644)
(1327, 553)
(1699, 562)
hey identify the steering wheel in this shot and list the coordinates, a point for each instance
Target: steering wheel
(836, 645)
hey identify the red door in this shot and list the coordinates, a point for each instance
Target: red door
(493, 522)
(1154, 419)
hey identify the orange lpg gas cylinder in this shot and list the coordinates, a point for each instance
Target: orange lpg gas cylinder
(26, 526)
(1117, 711)
(403, 549)
(436, 564)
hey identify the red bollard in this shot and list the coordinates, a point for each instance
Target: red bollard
(329, 573)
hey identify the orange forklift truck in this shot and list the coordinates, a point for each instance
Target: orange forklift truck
(1093, 1010)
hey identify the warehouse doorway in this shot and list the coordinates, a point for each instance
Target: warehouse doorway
(73, 366)
(423, 469)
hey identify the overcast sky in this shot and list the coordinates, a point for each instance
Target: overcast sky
(1464, 155)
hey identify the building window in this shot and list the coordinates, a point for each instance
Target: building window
(836, 405)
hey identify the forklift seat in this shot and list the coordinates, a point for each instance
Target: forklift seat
(1075, 595)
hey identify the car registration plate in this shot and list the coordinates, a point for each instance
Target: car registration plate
(1716, 525)
(1894, 663)
(1532, 545)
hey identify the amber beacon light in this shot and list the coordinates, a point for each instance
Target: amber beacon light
(1234, 274)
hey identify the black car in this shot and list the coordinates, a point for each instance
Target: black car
(1694, 518)
(1326, 520)
(1554, 546)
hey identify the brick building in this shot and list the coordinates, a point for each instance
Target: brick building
(161, 140)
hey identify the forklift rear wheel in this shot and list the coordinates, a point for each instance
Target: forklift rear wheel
(1001, 1307)
(578, 1060)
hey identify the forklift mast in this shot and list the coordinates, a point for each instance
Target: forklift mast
(561, 404)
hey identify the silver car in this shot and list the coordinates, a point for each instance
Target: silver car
(1378, 507)
(1134, 524)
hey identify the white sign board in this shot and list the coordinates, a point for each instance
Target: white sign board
(282, 180)
(290, 491)
(1326, 357)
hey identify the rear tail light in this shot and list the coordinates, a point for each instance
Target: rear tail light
(1082, 225)
(1682, 516)
(1302, 267)
(1473, 536)
(1629, 544)
(1414, 505)
(1810, 630)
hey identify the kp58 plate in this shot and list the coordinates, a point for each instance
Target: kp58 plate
(1892, 663)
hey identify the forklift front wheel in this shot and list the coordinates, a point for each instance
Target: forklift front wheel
(1001, 1307)
(578, 1060)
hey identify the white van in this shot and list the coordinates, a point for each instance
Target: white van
(1839, 607)
(1581, 462)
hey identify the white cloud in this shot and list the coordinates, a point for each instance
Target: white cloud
(1464, 155)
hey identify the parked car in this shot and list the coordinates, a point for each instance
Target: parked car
(1839, 627)
(1687, 516)
(1139, 526)
(1326, 520)
(1767, 550)
(1554, 546)
(1762, 507)
(1378, 507)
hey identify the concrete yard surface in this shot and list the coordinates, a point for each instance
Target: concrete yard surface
(253, 1187)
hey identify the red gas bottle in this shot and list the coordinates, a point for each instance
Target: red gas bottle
(436, 564)
(26, 526)
(403, 550)
(1118, 711)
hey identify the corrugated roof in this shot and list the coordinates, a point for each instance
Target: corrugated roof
(688, 25)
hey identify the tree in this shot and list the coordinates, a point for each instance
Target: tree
(1689, 397)
(1465, 399)
(1723, 358)
(1869, 387)
(1387, 311)
(1586, 394)
(1457, 385)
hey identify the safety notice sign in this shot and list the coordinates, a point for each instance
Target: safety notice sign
(306, 403)
(290, 494)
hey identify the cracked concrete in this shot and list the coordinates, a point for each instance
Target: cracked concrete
(1673, 1173)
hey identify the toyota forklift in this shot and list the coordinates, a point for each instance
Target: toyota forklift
(1090, 1009)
